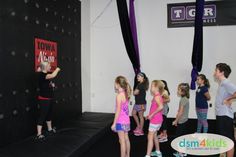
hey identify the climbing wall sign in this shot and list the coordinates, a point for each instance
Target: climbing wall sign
(45, 51)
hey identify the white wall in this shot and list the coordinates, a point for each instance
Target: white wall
(165, 53)
(108, 56)
(85, 56)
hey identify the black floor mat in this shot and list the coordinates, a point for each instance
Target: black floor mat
(108, 146)
(74, 139)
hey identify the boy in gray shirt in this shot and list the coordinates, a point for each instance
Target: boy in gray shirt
(225, 95)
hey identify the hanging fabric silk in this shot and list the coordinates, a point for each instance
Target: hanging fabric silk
(133, 26)
(127, 34)
(134, 32)
(197, 54)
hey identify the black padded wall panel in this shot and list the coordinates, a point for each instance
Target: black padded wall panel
(21, 21)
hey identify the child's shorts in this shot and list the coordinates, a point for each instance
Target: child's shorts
(122, 127)
(154, 127)
(139, 108)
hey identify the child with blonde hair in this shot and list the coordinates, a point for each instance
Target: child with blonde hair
(121, 123)
(155, 118)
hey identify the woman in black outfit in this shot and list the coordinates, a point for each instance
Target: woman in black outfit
(45, 98)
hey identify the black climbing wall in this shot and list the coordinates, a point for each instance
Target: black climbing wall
(20, 22)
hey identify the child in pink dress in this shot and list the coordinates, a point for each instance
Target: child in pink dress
(121, 123)
(155, 117)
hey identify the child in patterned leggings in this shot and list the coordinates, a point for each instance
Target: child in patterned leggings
(202, 96)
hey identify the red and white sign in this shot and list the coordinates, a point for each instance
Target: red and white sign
(45, 51)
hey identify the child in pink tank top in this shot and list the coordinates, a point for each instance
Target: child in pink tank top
(155, 117)
(121, 123)
(123, 118)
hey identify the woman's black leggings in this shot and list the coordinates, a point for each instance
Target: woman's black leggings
(45, 113)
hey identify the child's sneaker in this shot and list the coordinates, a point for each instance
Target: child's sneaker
(51, 132)
(156, 153)
(40, 137)
(163, 139)
(139, 133)
(177, 154)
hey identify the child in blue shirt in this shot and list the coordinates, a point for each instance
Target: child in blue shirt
(202, 96)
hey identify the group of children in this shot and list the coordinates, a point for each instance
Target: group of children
(159, 109)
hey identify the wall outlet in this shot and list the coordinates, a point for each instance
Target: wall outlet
(210, 105)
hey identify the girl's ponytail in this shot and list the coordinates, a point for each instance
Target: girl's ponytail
(206, 81)
(128, 89)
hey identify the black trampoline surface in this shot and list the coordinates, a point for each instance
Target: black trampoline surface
(90, 136)
(76, 138)
(108, 145)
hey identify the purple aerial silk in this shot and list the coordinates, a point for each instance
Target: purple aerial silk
(127, 34)
(197, 54)
(134, 33)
